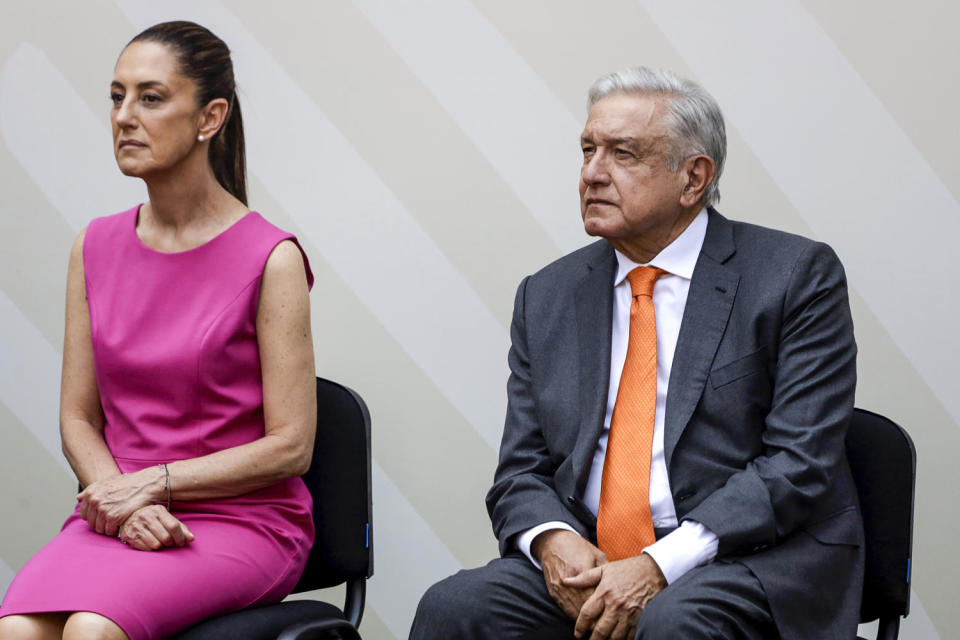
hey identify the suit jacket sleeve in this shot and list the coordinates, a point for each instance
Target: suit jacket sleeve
(811, 402)
(523, 493)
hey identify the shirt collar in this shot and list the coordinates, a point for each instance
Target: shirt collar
(677, 258)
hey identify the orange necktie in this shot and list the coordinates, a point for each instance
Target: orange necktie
(624, 523)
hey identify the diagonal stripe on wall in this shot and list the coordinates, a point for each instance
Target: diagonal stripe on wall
(6, 576)
(30, 378)
(904, 50)
(409, 557)
(481, 82)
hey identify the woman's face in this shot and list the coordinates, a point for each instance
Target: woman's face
(155, 117)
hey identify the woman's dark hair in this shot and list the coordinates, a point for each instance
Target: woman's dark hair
(205, 59)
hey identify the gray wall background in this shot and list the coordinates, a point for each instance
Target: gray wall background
(426, 154)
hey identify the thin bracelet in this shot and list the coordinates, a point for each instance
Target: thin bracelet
(166, 482)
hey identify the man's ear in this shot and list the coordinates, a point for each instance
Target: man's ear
(699, 171)
(212, 117)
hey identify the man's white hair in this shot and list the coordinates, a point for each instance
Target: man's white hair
(693, 115)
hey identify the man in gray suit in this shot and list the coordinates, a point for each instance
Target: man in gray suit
(748, 526)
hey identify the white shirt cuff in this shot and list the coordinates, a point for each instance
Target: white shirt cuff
(686, 547)
(525, 539)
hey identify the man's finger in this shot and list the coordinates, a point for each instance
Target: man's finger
(589, 612)
(562, 596)
(623, 629)
(585, 579)
(567, 604)
(575, 599)
(604, 626)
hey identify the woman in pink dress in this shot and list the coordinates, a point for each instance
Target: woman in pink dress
(187, 405)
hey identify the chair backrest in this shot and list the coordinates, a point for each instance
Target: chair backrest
(339, 480)
(884, 462)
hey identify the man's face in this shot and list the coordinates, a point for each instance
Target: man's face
(628, 194)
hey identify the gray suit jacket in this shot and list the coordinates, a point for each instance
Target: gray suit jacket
(761, 392)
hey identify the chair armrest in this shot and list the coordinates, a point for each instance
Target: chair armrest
(354, 601)
(888, 628)
(318, 628)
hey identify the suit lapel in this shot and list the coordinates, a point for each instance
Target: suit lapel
(712, 292)
(593, 299)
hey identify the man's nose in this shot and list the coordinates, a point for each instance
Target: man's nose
(595, 168)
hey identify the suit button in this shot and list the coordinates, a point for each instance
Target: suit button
(571, 500)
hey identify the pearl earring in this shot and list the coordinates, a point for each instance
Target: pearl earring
(200, 137)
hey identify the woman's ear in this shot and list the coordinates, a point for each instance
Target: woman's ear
(212, 117)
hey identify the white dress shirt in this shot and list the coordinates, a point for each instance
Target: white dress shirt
(692, 544)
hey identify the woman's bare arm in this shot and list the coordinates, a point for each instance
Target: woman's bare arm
(81, 416)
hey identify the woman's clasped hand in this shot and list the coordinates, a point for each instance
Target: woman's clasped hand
(152, 528)
(106, 504)
(124, 506)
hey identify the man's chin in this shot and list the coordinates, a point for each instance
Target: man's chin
(596, 228)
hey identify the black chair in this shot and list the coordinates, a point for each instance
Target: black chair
(339, 480)
(884, 465)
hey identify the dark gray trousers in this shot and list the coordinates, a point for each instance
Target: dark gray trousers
(507, 599)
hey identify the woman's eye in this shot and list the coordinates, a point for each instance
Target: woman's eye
(151, 98)
(116, 99)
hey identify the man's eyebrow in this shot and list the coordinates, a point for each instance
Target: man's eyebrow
(611, 141)
(641, 145)
(646, 145)
(629, 141)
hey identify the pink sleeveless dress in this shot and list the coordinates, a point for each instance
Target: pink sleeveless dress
(175, 351)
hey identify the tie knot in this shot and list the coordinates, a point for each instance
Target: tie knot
(642, 280)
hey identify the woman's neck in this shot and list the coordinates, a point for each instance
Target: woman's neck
(188, 195)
